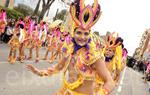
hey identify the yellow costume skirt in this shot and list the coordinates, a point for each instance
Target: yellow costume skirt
(66, 91)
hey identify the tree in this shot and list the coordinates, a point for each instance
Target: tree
(24, 9)
(7, 3)
(54, 18)
(45, 7)
(37, 8)
(67, 2)
(61, 15)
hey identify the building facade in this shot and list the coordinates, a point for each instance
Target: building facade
(139, 50)
(4, 3)
(146, 47)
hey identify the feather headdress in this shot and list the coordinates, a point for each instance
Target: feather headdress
(111, 40)
(85, 16)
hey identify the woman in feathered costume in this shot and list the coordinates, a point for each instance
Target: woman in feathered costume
(113, 55)
(82, 65)
(29, 24)
(36, 43)
(22, 35)
(49, 40)
(43, 31)
(56, 45)
(3, 21)
(14, 45)
(52, 41)
(124, 57)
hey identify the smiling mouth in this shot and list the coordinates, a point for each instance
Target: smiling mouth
(81, 40)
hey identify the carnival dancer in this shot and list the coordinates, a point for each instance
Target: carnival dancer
(124, 57)
(52, 41)
(147, 73)
(36, 43)
(119, 53)
(43, 31)
(56, 45)
(65, 40)
(113, 56)
(59, 53)
(14, 45)
(68, 38)
(3, 21)
(29, 24)
(82, 63)
(49, 39)
(22, 36)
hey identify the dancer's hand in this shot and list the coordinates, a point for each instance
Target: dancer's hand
(36, 71)
(32, 68)
(50, 71)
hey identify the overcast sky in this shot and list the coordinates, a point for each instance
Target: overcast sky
(130, 18)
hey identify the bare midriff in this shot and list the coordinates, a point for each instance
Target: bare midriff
(87, 86)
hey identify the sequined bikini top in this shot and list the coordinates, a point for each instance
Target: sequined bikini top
(83, 60)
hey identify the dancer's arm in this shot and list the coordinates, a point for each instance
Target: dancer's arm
(49, 71)
(103, 72)
(9, 41)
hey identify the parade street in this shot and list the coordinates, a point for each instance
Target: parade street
(15, 79)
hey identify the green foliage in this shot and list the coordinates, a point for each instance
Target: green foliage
(11, 13)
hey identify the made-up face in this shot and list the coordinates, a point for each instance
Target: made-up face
(109, 52)
(81, 36)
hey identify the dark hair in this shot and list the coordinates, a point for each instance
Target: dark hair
(122, 45)
(2, 10)
(21, 26)
(44, 22)
(21, 18)
(35, 24)
(119, 39)
(125, 50)
(58, 28)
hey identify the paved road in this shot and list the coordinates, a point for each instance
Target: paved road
(131, 83)
(17, 80)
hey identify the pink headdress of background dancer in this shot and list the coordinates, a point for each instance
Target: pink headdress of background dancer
(3, 21)
(3, 15)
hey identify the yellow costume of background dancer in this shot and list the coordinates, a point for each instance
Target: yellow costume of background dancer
(115, 64)
(14, 45)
